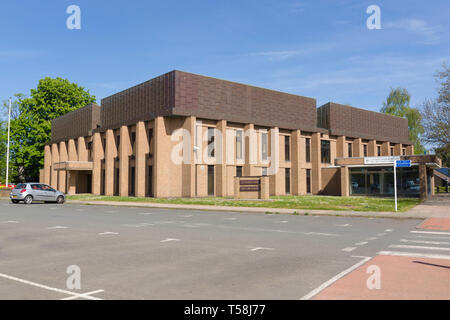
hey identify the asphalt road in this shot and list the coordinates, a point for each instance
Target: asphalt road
(136, 253)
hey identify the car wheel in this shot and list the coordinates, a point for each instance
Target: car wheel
(60, 200)
(15, 201)
(28, 199)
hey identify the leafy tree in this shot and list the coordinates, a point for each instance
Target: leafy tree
(397, 104)
(436, 118)
(31, 126)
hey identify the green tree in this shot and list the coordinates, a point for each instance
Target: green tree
(436, 118)
(397, 104)
(31, 126)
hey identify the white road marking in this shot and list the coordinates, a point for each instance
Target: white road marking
(139, 225)
(388, 230)
(169, 239)
(83, 295)
(80, 209)
(431, 237)
(80, 295)
(187, 215)
(145, 213)
(430, 232)
(10, 221)
(413, 254)
(57, 227)
(361, 243)
(349, 249)
(335, 278)
(107, 232)
(230, 218)
(403, 246)
(260, 248)
(372, 238)
(283, 221)
(321, 234)
(344, 225)
(425, 242)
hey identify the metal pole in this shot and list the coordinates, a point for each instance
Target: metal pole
(395, 184)
(7, 146)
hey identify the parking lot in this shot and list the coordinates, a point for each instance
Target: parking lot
(149, 253)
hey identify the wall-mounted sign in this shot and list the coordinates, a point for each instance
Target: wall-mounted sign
(381, 160)
(403, 163)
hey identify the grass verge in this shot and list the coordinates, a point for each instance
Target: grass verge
(288, 202)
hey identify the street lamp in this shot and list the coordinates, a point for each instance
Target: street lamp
(7, 145)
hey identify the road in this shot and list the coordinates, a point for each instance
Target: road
(151, 253)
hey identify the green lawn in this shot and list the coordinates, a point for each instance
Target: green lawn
(288, 202)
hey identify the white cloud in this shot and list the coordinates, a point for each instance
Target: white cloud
(430, 34)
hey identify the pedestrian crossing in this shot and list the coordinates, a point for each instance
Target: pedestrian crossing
(421, 244)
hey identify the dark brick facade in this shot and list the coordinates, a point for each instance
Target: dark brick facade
(76, 124)
(353, 122)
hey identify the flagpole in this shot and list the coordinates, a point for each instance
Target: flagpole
(7, 146)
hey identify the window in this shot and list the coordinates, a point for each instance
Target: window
(404, 151)
(264, 145)
(90, 151)
(133, 139)
(308, 180)
(325, 151)
(349, 148)
(239, 171)
(239, 144)
(264, 171)
(379, 151)
(287, 148)
(365, 150)
(287, 180)
(211, 143)
(117, 141)
(210, 180)
(392, 151)
(150, 139)
(308, 150)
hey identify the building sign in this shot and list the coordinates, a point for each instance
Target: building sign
(250, 185)
(403, 163)
(381, 160)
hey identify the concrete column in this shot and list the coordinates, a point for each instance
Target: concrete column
(71, 182)
(372, 148)
(297, 179)
(53, 172)
(423, 181)
(72, 151)
(345, 190)
(341, 147)
(110, 154)
(47, 164)
(276, 174)
(125, 150)
(142, 149)
(62, 173)
(432, 181)
(82, 149)
(98, 155)
(221, 167)
(264, 188)
(358, 148)
(410, 150)
(251, 150)
(385, 148)
(316, 172)
(398, 149)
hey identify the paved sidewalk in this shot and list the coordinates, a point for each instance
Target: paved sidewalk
(400, 215)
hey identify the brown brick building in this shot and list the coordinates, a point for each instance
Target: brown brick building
(187, 135)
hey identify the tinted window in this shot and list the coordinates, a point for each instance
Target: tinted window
(308, 150)
(325, 151)
(21, 186)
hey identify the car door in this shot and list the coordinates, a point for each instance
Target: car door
(50, 193)
(36, 192)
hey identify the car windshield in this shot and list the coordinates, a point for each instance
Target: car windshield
(21, 186)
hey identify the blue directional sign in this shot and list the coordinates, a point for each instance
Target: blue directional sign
(403, 163)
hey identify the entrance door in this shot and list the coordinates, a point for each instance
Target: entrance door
(210, 180)
(150, 181)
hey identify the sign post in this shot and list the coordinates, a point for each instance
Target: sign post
(399, 164)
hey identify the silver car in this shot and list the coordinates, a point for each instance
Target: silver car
(33, 191)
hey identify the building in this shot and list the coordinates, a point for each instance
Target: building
(187, 135)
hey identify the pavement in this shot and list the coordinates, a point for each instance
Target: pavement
(140, 252)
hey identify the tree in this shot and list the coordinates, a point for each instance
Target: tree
(31, 127)
(436, 118)
(397, 104)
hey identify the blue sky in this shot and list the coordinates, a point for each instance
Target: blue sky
(321, 49)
